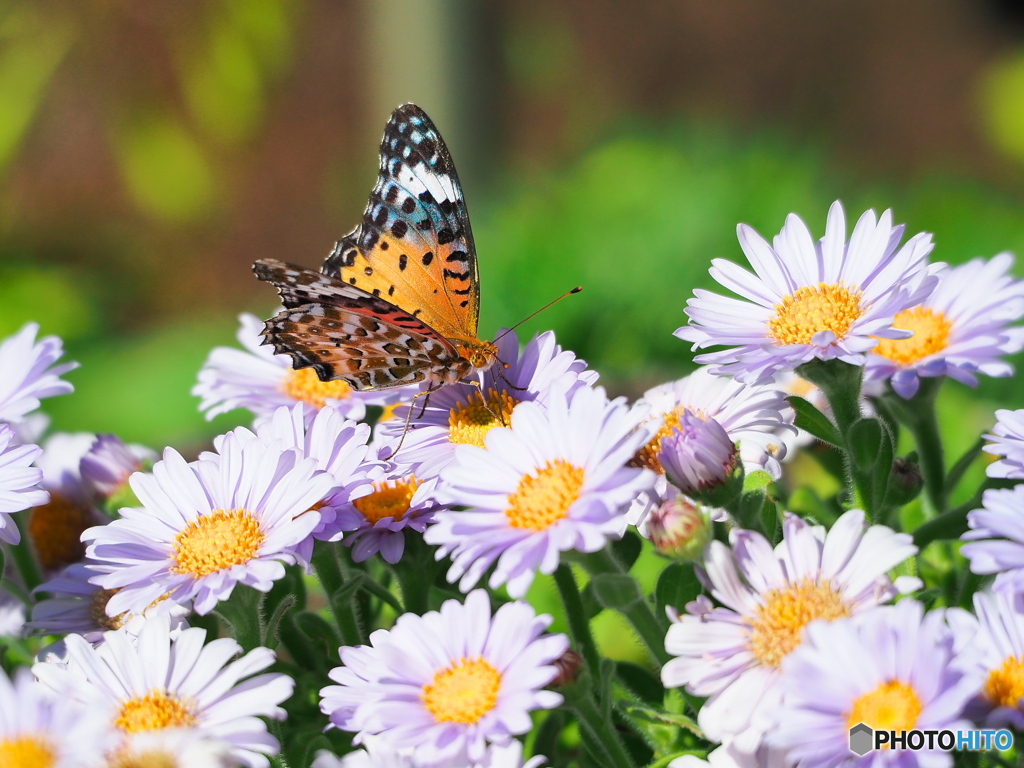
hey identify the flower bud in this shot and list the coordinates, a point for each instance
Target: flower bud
(698, 455)
(680, 527)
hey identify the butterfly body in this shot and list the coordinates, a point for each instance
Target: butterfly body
(397, 300)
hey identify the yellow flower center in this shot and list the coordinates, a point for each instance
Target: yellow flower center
(27, 752)
(778, 625)
(154, 711)
(150, 758)
(56, 531)
(931, 334)
(304, 384)
(892, 706)
(217, 541)
(1005, 686)
(464, 692)
(648, 455)
(812, 309)
(390, 498)
(542, 499)
(388, 412)
(470, 422)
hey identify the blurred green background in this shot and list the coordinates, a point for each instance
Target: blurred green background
(149, 152)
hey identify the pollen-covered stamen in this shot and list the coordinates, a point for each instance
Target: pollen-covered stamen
(216, 541)
(778, 624)
(27, 752)
(1005, 685)
(463, 692)
(98, 610)
(390, 498)
(304, 384)
(812, 309)
(155, 757)
(56, 531)
(155, 710)
(892, 706)
(544, 498)
(931, 335)
(470, 422)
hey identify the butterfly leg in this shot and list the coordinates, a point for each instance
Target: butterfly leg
(408, 418)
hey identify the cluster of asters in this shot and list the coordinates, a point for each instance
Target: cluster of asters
(790, 645)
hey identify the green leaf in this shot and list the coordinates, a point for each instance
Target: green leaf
(317, 630)
(677, 586)
(865, 442)
(756, 481)
(640, 681)
(810, 419)
(615, 590)
(654, 715)
(627, 549)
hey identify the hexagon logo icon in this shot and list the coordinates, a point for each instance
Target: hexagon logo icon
(861, 739)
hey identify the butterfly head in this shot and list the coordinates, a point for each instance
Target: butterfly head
(479, 354)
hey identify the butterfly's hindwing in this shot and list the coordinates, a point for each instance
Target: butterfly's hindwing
(414, 247)
(345, 333)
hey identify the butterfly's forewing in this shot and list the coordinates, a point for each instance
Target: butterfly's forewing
(344, 333)
(414, 247)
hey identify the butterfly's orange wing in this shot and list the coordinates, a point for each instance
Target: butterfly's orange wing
(414, 247)
(343, 333)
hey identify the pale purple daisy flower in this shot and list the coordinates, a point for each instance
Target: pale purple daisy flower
(732, 654)
(960, 330)
(458, 414)
(398, 501)
(379, 754)
(40, 729)
(891, 668)
(996, 538)
(29, 373)
(76, 605)
(338, 445)
(155, 681)
(1007, 441)
(556, 480)
(449, 683)
(807, 300)
(995, 640)
(751, 416)
(109, 462)
(261, 382)
(257, 496)
(19, 482)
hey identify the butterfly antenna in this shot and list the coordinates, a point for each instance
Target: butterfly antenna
(532, 315)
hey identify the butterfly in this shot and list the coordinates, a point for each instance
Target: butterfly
(397, 301)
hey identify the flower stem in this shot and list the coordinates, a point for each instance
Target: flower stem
(328, 570)
(633, 605)
(415, 574)
(24, 559)
(579, 626)
(921, 418)
(600, 736)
